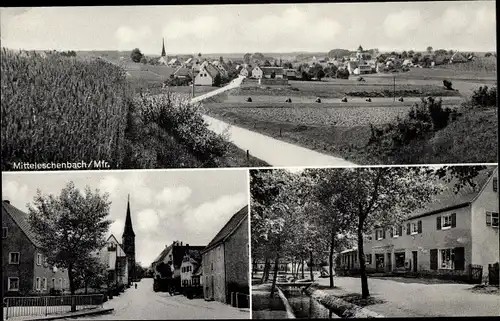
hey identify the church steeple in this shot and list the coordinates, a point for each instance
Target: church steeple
(128, 230)
(163, 52)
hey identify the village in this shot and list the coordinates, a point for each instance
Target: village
(103, 280)
(441, 259)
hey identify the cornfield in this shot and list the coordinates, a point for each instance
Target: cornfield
(59, 109)
(487, 65)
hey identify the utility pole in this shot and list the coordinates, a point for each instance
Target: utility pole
(192, 79)
(394, 88)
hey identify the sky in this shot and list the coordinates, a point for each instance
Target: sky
(192, 29)
(188, 206)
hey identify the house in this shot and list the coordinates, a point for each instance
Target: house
(220, 67)
(197, 276)
(174, 62)
(272, 72)
(25, 270)
(257, 72)
(174, 254)
(114, 258)
(162, 61)
(206, 75)
(444, 238)
(225, 260)
(190, 263)
(182, 72)
(290, 74)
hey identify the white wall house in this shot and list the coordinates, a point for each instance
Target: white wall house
(114, 258)
(257, 72)
(206, 75)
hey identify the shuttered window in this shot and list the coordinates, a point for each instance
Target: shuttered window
(438, 223)
(408, 230)
(447, 259)
(419, 228)
(434, 259)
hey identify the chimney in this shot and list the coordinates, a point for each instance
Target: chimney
(6, 201)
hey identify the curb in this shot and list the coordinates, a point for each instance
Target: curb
(75, 315)
(289, 311)
(341, 307)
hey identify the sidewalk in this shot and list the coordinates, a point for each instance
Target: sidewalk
(396, 299)
(87, 312)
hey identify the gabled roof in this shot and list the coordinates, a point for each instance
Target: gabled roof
(231, 226)
(211, 70)
(162, 254)
(182, 72)
(21, 219)
(120, 247)
(448, 200)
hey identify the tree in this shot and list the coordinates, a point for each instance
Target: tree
(380, 197)
(217, 80)
(247, 58)
(287, 65)
(221, 59)
(404, 55)
(360, 48)
(89, 271)
(144, 60)
(136, 55)
(267, 63)
(70, 227)
(411, 53)
(488, 54)
(429, 49)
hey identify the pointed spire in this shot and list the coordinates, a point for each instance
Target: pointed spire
(163, 52)
(128, 230)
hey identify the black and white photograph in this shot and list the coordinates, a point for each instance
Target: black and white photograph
(125, 245)
(375, 242)
(249, 85)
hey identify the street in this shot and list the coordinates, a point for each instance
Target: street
(145, 304)
(420, 300)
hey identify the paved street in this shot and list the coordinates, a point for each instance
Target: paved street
(421, 300)
(143, 303)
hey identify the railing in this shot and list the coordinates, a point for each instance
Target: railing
(48, 305)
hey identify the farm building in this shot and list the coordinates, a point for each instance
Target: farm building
(290, 73)
(257, 72)
(174, 62)
(246, 71)
(206, 75)
(225, 260)
(444, 238)
(272, 72)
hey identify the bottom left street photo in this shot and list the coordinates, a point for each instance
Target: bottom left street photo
(126, 245)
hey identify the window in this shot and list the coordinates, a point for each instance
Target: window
(400, 260)
(446, 222)
(13, 284)
(53, 283)
(495, 184)
(368, 259)
(61, 283)
(38, 259)
(414, 229)
(38, 284)
(44, 283)
(446, 259)
(396, 232)
(379, 234)
(14, 258)
(4, 232)
(492, 219)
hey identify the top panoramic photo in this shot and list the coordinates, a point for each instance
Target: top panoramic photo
(255, 85)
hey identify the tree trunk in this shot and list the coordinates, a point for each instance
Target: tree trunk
(72, 287)
(265, 273)
(311, 265)
(302, 260)
(365, 293)
(275, 276)
(330, 268)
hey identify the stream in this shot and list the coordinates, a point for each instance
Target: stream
(305, 307)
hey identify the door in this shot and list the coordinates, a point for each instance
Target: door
(415, 263)
(389, 262)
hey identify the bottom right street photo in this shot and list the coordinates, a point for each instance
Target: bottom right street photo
(366, 242)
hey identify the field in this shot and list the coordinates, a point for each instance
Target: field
(343, 129)
(59, 109)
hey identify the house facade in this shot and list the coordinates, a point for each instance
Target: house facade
(114, 258)
(272, 72)
(25, 269)
(257, 72)
(445, 238)
(225, 260)
(206, 75)
(190, 264)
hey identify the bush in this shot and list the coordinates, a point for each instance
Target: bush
(448, 84)
(484, 97)
(422, 120)
(217, 80)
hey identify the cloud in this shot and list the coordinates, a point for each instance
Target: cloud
(109, 184)
(174, 195)
(200, 27)
(399, 24)
(147, 220)
(454, 20)
(139, 191)
(208, 218)
(116, 228)
(16, 193)
(128, 35)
